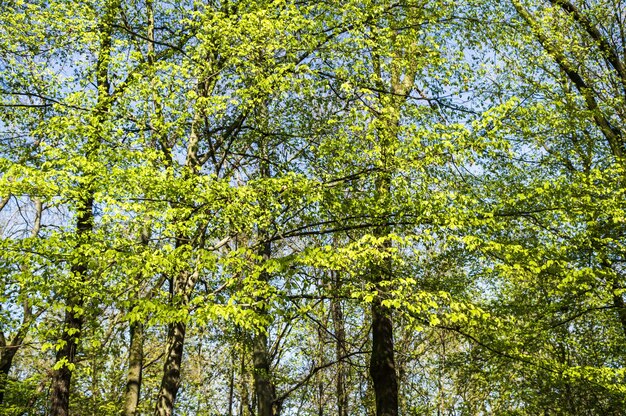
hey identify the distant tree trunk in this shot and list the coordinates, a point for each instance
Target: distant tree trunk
(340, 347)
(135, 368)
(244, 405)
(231, 385)
(319, 376)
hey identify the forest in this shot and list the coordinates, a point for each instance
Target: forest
(312, 207)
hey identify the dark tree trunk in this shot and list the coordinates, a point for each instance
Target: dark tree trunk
(72, 324)
(66, 357)
(171, 369)
(74, 314)
(8, 350)
(6, 361)
(340, 348)
(382, 364)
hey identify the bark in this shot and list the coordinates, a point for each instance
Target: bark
(382, 364)
(135, 367)
(244, 406)
(66, 358)
(182, 285)
(340, 349)
(6, 361)
(231, 387)
(263, 386)
(170, 381)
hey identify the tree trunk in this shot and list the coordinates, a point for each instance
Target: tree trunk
(74, 314)
(6, 361)
(171, 369)
(135, 367)
(382, 364)
(340, 348)
(263, 387)
(66, 356)
(72, 324)
(231, 387)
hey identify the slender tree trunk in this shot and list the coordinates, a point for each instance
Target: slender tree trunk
(170, 382)
(340, 347)
(244, 405)
(231, 386)
(183, 283)
(135, 368)
(132, 393)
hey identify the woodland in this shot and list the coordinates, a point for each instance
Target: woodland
(312, 207)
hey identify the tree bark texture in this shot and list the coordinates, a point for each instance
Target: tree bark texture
(135, 368)
(340, 348)
(170, 381)
(382, 363)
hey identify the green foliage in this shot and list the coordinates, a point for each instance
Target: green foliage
(255, 168)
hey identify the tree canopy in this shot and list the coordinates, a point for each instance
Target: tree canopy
(265, 208)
